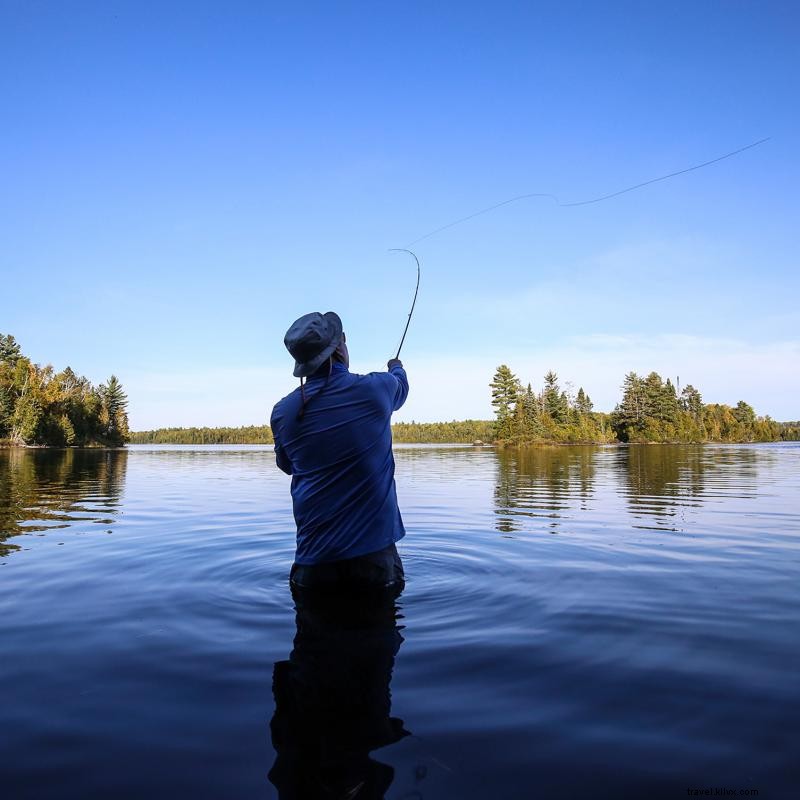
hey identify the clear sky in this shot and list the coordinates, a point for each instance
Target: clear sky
(179, 181)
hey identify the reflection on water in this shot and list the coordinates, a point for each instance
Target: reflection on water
(659, 483)
(662, 482)
(577, 622)
(333, 701)
(45, 489)
(542, 482)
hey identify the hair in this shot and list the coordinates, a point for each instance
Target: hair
(335, 357)
(307, 400)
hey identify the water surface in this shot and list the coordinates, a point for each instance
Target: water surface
(578, 621)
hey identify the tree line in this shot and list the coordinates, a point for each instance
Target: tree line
(463, 432)
(247, 434)
(39, 406)
(651, 410)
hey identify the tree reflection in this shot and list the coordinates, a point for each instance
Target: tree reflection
(542, 482)
(333, 701)
(662, 480)
(43, 489)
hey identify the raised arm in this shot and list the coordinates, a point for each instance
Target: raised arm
(400, 389)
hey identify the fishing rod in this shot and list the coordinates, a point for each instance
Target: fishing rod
(416, 292)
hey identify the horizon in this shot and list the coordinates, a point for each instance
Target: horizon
(183, 182)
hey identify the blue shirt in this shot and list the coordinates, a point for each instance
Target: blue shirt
(339, 455)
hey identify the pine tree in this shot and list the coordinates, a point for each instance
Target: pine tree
(554, 401)
(670, 408)
(114, 414)
(583, 403)
(691, 401)
(505, 394)
(653, 393)
(9, 349)
(629, 415)
(530, 424)
(744, 414)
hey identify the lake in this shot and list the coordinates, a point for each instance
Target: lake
(577, 622)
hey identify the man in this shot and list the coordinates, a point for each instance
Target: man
(333, 436)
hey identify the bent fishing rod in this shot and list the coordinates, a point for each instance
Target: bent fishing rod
(416, 292)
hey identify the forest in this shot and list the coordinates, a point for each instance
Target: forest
(463, 432)
(650, 410)
(39, 406)
(247, 434)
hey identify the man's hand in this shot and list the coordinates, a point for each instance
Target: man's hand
(394, 362)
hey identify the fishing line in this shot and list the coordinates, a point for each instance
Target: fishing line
(558, 202)
(589, 201)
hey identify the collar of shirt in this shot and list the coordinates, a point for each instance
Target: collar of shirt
(321, 374)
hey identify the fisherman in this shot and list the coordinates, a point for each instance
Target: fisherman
(333, 436)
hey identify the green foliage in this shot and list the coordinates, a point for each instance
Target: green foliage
(505, 393)
(549, 416)
(583, 403)
(554, 401)
(9, 350)
(6, 411)
(250, 434)
(692, 402)
(462, 432)
(113, 413)
(649, 411)
(41, 407)
(465, 432)
(26, 418)
(790, 431)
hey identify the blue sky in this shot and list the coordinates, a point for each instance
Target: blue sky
(179, 181)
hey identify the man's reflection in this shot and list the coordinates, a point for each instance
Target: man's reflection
(332, 698)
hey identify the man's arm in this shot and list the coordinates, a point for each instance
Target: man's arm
(400, 391)
(281, 459)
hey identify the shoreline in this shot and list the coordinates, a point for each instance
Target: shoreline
(9, 446)
(494, 445)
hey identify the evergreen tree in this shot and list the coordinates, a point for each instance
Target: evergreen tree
(6, 411)
(554, 401)
(691, 401)
(629, 415)
(114, 414)
(505, 393)
(9, 349)
(744, 414)
(669, 408)
(531, 425)
(653, 393)
(583, 403)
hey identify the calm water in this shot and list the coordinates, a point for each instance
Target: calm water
(578, 622)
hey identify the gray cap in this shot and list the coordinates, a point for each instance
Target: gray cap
(312, 340)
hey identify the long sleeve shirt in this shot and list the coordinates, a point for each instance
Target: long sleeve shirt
(339, 454)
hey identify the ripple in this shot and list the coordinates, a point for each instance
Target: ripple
(567, 611)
